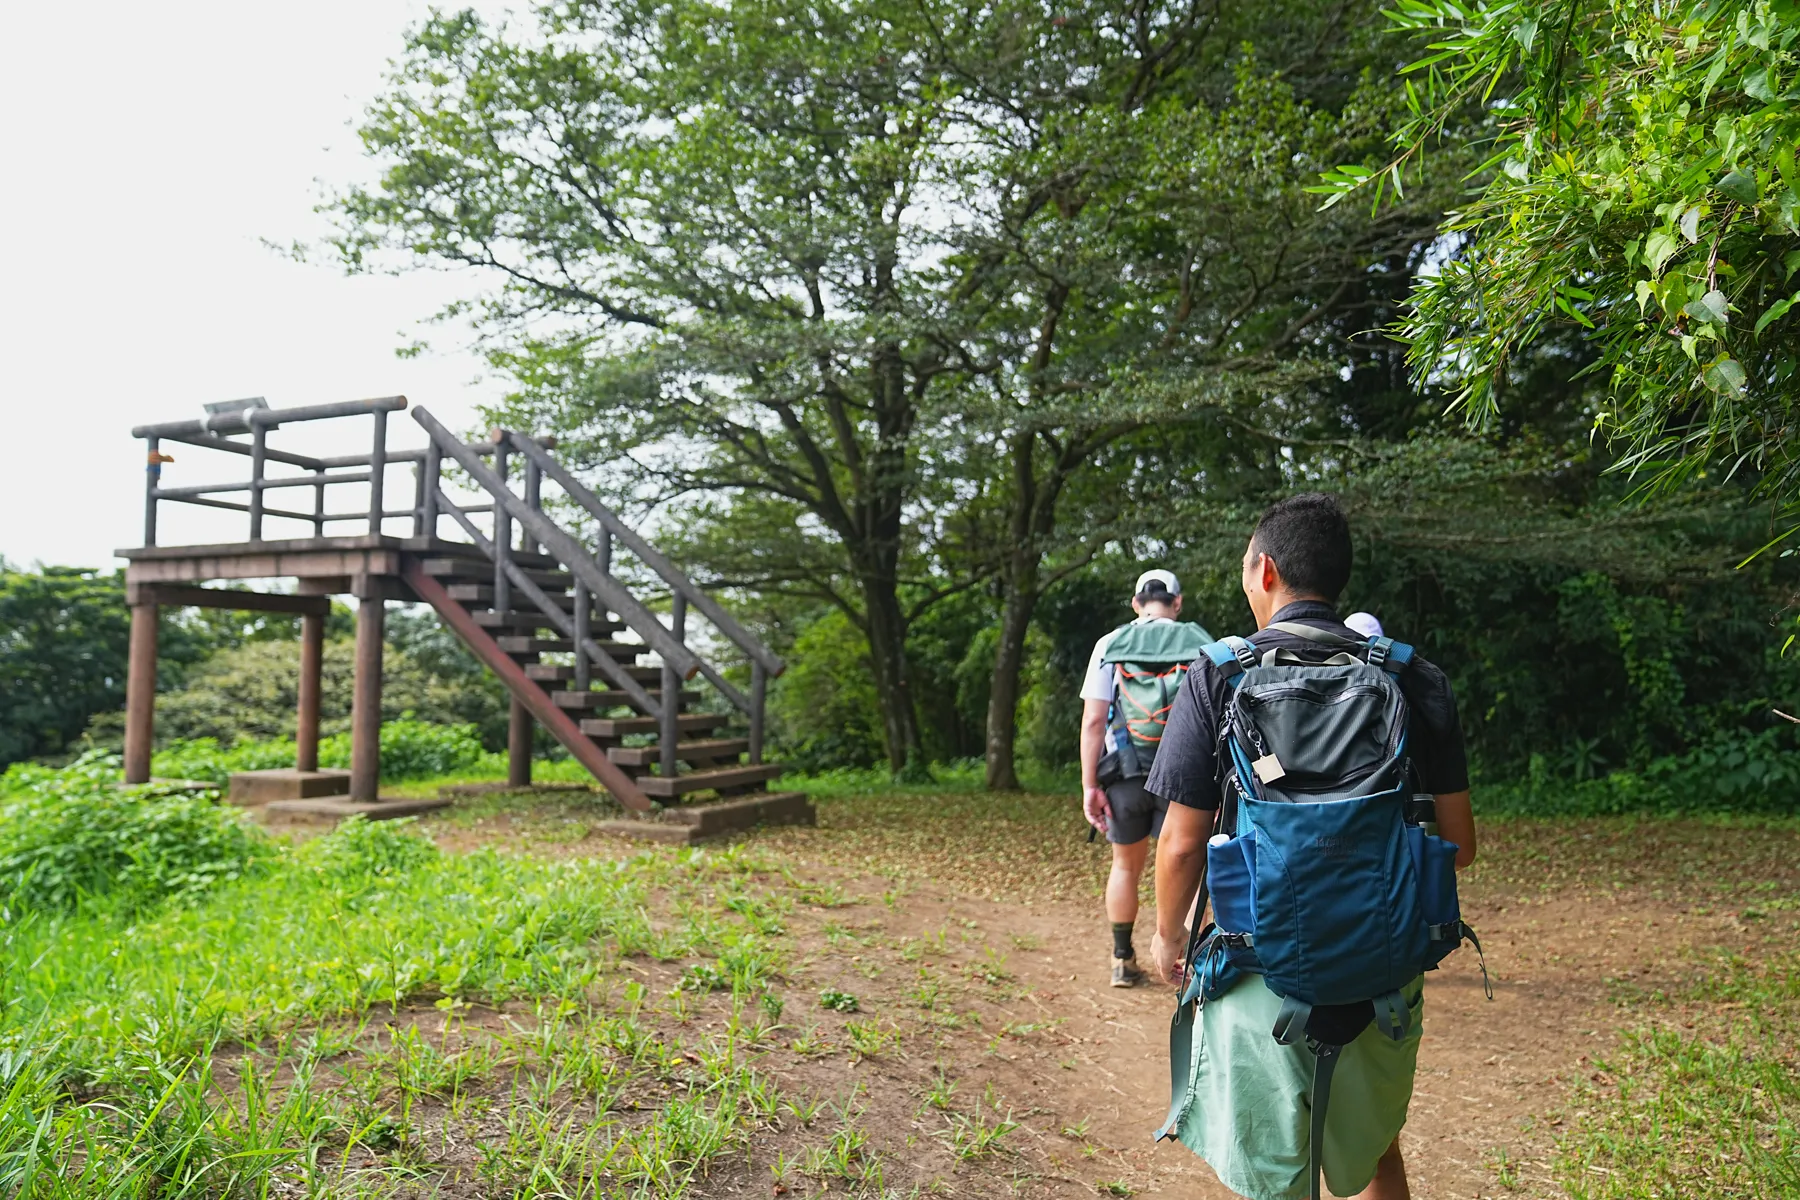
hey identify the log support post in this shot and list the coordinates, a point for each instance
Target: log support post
(312, 664)
(365, 702)
(140, 693)
(518, 745)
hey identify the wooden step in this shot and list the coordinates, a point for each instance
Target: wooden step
(552, 673)
(707, 750)
(717, 779)
(610, 699)
(520, 644)
(528, 619)
(487, 618)
(608, 728)
(548, 577)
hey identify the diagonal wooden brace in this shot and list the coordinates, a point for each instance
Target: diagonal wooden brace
(624, 789)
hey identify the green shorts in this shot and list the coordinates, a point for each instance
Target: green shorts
(1249, 1113)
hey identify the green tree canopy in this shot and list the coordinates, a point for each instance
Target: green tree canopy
(881, 280)
(1639, 185)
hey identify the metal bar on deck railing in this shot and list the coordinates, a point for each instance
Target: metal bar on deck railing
(249, 419)
(319, 482)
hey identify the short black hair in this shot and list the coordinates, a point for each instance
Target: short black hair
(1155, 592)
(1308, 536)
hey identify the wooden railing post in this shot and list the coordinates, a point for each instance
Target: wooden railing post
(428, 513)
(259, 438)
(671, 685)
(582, 665)
(377, 471)
(152, 480)
(534, 488)
(502, 538)
(759, 693)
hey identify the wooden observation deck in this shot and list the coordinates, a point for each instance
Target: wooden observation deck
(565, 625)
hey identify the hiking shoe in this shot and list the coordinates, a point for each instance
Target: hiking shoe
(1125, 972)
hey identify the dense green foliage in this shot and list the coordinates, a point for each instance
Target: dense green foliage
(251, 690)
(410, 749)
(62, 656)
(63, 633)
(75, 839)
(1639, 184)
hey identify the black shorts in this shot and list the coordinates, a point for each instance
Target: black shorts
(1136, 814)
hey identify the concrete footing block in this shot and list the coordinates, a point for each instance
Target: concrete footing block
(251, 788)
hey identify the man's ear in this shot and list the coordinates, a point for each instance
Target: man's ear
(1270, 574)
(1178, 606)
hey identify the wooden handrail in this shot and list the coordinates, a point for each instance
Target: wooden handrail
(566, 550)
(727, 624)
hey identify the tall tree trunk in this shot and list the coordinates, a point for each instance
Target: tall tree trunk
(1009, 665)
(893, 685)
(1019, 577)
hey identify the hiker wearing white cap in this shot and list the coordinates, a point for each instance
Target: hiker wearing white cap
(1132, 679)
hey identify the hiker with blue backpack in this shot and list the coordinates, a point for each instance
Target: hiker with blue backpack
(1132, 681)
(1318, 785)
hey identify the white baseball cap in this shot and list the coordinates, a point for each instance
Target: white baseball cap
(1165, 580)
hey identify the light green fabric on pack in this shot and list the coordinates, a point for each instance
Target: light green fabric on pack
(1248, 1113)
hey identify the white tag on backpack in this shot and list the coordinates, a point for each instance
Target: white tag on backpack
(1268, 768)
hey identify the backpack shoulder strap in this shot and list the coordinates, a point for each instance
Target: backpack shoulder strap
(1391, 656)
(1232, 656)
(1384, 652)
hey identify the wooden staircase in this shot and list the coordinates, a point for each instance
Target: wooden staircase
(554, 622)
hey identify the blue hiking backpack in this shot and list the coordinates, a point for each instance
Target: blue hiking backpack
(1323, 876)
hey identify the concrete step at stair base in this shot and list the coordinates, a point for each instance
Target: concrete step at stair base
(250, 788)
(690, 823)
(706, 750)
(716, 779)
(606, 728)
(339, 807)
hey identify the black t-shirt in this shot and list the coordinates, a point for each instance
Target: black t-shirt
(1186, 768)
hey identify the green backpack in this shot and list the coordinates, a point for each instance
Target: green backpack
(1149, 662)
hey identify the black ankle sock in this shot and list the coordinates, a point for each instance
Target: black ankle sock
(1122, 939)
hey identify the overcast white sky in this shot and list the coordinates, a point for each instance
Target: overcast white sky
(148, 148)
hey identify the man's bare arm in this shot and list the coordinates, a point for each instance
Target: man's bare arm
(1456, 823)
(1093, 737)
(1180, 869)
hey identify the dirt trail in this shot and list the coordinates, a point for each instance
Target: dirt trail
(1492, 1073)
(1571, 921)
